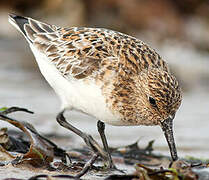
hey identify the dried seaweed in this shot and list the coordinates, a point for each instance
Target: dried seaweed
(40, 152)
(182, 171)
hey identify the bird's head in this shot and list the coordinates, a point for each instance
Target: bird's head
(161, 98)
(161, 93)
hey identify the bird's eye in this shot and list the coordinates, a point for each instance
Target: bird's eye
(152, 101)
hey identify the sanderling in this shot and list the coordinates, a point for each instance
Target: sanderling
(112, 76)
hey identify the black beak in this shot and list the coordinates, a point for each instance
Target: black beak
(167, 127)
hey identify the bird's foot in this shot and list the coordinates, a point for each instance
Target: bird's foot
(95, 146)
(110, 166)
(87, 166)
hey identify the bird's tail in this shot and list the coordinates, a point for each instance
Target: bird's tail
(29, 27)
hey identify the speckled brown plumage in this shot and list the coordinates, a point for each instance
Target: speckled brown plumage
(112, 76)
(127, 70)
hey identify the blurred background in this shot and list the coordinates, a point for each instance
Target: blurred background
(177, 29)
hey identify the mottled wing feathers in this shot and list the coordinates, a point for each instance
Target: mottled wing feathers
(97, 43)
(82, 52)
(92, 47)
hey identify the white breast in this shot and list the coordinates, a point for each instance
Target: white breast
(76, 94)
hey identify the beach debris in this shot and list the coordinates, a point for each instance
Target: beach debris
(38, 152)
(29, 147)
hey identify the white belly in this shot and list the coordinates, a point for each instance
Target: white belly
(76, 94)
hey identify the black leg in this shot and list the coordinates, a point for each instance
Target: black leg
(101, 129)
(87, 138)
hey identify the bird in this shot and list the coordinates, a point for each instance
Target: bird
(111, 76)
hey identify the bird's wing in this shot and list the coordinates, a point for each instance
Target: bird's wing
(76, 52)
(82, 52)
